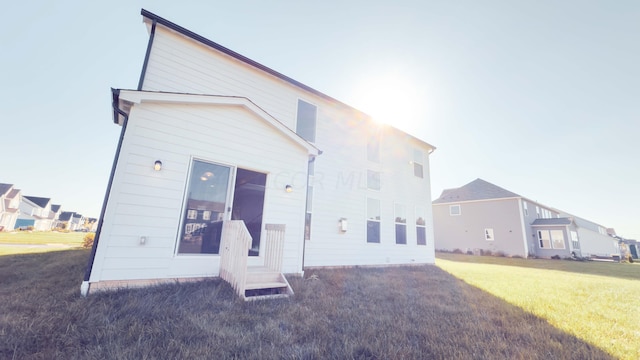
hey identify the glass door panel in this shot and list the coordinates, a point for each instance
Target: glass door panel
(205, 208)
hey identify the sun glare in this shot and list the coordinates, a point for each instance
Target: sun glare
(391, 99)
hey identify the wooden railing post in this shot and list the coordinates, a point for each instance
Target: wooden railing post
(274, 248)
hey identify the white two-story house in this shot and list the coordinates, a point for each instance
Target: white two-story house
(210, 136)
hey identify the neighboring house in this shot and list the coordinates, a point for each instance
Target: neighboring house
(483, 216)
(71, 221)
(35, 211)
(54, 215)
(91, 224)
(211, 137)
(10, 198)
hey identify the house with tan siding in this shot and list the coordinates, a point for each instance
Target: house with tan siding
(218, 150)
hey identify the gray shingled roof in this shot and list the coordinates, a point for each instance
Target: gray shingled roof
(552, 221)
(40, 201)
(478, 189)
(4, 188)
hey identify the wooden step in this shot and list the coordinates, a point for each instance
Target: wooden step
(265, 285)
(261, 277)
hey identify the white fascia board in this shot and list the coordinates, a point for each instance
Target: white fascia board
(138, 97)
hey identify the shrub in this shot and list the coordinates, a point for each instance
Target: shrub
(499, 254)
(556, 257)
(469, 252)
(457, 251)
(87, 242)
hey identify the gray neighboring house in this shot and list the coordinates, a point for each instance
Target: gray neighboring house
(483, 216)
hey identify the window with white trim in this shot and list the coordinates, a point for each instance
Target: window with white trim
(373, 220)
(537, 212)
(525, 208)
(455, 210)
(401, 223)
(306, 120)
(421, 230)
(551, 239)
(488, 234)
(544, 239)
(557, 239)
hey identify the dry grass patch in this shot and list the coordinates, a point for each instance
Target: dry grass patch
(394, 313)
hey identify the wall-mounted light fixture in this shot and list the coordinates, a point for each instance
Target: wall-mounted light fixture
(157, 166)
(288, 188)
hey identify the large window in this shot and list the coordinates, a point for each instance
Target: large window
(454, 210)
(204, 208)
(551, 239)
(557, 239)
(401, 223)
(421, 231)
(306, 121)
(373, 221)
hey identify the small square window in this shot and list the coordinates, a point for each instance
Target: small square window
(454, 210)
(488, 234)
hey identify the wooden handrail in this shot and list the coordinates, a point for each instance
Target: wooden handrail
(234, 253)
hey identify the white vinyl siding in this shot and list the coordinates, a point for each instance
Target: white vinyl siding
(144, 202)
(178, 64)
(373, 180)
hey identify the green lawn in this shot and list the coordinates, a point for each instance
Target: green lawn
(419, 312)
(594, 301)
(42, 237)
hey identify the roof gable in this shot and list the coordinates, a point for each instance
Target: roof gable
(40, 201)
(132, 96)
(476, 190)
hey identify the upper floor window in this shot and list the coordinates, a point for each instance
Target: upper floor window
(525, 208)
(306, 121)
(454, 210)
(373, 148)
(417, 164)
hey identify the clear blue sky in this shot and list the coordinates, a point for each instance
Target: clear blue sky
(539, 97)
